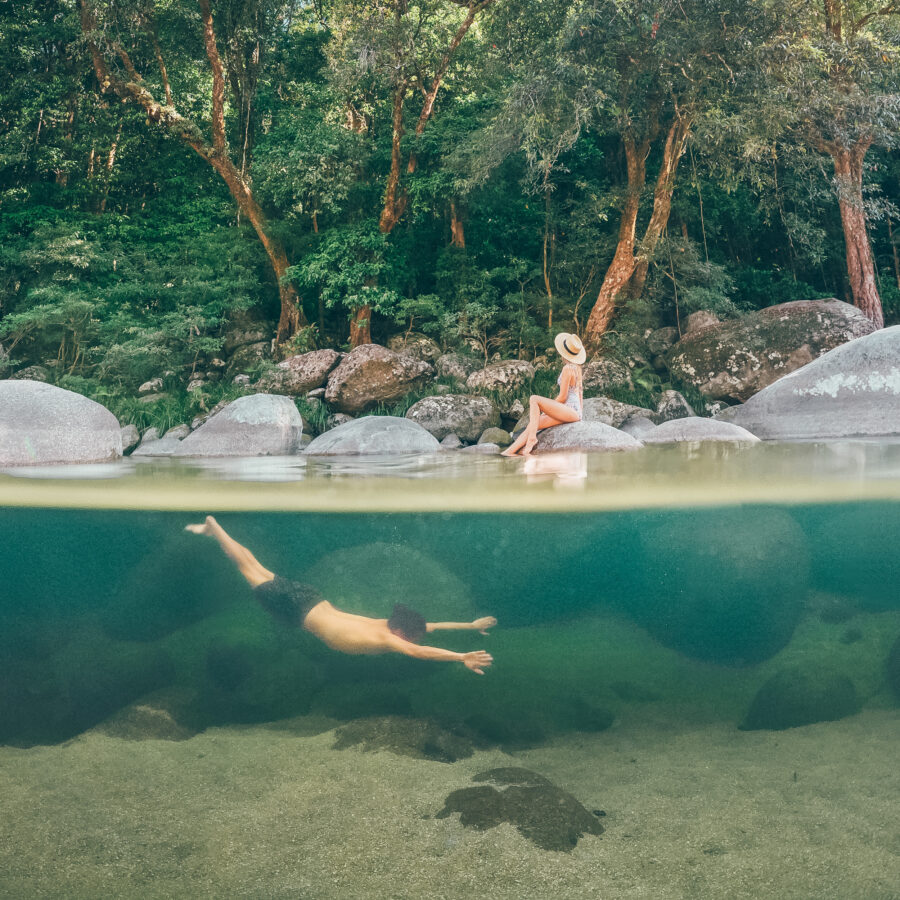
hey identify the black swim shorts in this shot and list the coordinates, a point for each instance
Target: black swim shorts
(287, 601)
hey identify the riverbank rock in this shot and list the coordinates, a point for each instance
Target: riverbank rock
(457, 365)
(613, 412)
(41, 424)
(638, 427)
(503, 377)
(793, 697)
(589, 436)
(371, 374)
(418, 346)
(131, 437)
(546, 815)
(418, 738)
(370, 435)
(725, 586)
(672, 405)
(696, 429)
(851, 391)
(257, 425)
(499, 437)
(734, 360)
(604, 373)
(297, 375)
(464, 415)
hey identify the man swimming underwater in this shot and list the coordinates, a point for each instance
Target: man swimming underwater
(299, 604)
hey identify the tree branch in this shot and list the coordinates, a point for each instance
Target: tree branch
(218, 91)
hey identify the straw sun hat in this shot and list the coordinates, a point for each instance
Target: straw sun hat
(569, 347)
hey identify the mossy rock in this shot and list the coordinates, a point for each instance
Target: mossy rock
(795, 697)
(418, 738)
(546, 815)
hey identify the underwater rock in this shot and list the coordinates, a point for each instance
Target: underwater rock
(256, 425)
(546, 815)
(374, 435)
(464, 415)
(893, 668)
(418, 738)
(144, 722)
(851, 391)
(794, 697)
(726, 586)
(41, 424)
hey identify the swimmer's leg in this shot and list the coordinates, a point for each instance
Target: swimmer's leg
(246, 562)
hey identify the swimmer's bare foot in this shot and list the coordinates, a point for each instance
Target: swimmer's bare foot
(509, 452)
(205, 528)
(529, 446)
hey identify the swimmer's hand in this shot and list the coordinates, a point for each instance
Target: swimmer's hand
(484, 623)
(477, 661)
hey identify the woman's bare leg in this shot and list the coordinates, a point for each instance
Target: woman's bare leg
(246, 562)
(544, 413)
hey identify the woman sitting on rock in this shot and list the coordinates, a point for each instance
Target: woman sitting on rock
(567, 407)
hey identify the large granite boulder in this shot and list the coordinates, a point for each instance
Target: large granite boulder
(725, 585)
(851, 391)
(793, 697)
(503, 377)
(457, 365)
(544, 814)
(604, 373)
(374, 435)
(697, 429)
(257, 425)
(604, 410)
(464, 415)
(371, 374)
(418, 346)
(672, 405)
(733, 360)
(584, 435)
(42, 424)
(300, 374)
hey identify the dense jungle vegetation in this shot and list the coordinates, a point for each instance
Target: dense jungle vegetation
(484, 172)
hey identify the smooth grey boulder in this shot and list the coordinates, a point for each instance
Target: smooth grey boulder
(41, 424)
(418, 346)
(603, 373)
(370, 435)
(499, 436)
(733, 360)
(504, 377)
(336, 419)
(179, 431)
(602, 409)
(464, 415)
(485, 449)
(638, 427)
(257, 425)
(297, 375)
(164, 446)
(851, 391)
(584, 436)
(457, 365)
(451, 442)
(131, 437)
(672, 405)
(696, 429)
(371, 374)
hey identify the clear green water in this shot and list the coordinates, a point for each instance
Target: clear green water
(640, 599)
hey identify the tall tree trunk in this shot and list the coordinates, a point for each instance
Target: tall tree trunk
(848, 168)
(457, 230)
(622, 266)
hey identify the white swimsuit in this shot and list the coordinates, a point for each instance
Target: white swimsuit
(573, 398)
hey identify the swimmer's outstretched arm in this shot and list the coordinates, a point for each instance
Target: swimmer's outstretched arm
(476, 661)
(481, 625)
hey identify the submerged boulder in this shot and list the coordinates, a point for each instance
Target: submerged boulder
(794, 697)
(371, 374)
(736, 359)
(546, 815)
(406, 736)
(464, 415)
(257, 425)
(42, 424)
(374, 435)
(851, 391)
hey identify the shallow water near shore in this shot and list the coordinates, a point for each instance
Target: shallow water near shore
(160, 736)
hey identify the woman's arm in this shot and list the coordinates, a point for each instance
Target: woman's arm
(565, 383)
